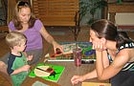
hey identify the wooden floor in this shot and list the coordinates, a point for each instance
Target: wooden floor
(60, 35)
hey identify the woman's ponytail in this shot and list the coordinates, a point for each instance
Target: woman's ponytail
(122, 38)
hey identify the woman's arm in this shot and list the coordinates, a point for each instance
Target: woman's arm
(79, 78)
(9, 30)
(49, 39)
(91, 75)
(105, 73)
(47, 36)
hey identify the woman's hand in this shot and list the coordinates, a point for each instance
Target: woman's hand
(76, 79)
(99, 45)
(57, 46)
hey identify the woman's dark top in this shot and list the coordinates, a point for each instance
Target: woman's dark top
(128, 66)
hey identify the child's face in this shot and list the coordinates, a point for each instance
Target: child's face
(21, 47)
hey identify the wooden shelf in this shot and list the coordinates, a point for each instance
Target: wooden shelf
(114, 8)
(124, 7)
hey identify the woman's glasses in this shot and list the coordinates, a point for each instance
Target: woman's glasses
(22, 3)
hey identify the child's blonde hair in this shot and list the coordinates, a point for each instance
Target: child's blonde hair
(15, 39)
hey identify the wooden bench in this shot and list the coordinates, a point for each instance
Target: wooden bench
(58, 13)
(5, 79)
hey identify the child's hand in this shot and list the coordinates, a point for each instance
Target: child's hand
(30, 57)
(26, 67)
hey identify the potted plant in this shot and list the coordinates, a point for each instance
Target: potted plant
(91, 7)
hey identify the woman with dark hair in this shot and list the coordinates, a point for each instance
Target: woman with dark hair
(114, 55)
(25, 22)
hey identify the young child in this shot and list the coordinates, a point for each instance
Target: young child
(17, 62)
